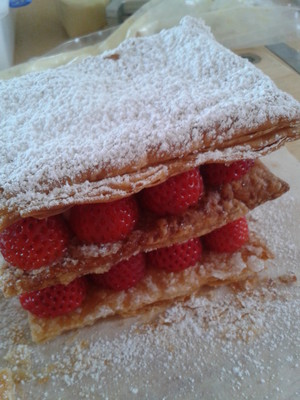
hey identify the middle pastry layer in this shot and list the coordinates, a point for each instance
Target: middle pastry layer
(217, 207)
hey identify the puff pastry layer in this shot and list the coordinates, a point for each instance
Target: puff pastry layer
(108, 126)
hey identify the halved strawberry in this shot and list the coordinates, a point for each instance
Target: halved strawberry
(55, 300)
(175, 195)
(177, 257)
(32, 243)
(228, 238)
(123, 275)
(104, 222)
(217, 174)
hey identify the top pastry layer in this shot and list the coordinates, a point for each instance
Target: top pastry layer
(107, 126)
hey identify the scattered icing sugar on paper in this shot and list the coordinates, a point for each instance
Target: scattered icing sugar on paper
(237, 344)
(102, 113)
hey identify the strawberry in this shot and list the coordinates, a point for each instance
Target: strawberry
(217, 174)
(177, 257)
(123, 275)
(175, 195)
(32, 243)
(55, 300)
(228, 238)
(104, 222)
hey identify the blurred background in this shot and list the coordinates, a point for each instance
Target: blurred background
(39, 26)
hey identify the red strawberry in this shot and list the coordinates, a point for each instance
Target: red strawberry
(217, 174)
(123, 275)
(55, 300)
(32, 243)
(175, 195)
(228, 238)
(104, 222)
(177, 257)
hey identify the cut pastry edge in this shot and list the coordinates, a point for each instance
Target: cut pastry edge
(7, 385)
(113, 188)
(158, 286)
(231, 202)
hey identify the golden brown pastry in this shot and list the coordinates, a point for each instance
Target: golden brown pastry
(110, 127)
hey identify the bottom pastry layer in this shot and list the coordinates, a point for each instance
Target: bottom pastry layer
(157, 286)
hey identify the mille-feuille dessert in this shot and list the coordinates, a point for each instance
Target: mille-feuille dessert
(125, 178)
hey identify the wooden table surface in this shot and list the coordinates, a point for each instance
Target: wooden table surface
(38, 30)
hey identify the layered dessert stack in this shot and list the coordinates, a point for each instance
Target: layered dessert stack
(126, 178)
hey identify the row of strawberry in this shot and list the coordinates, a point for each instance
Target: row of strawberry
(31, 243)
(61, 299)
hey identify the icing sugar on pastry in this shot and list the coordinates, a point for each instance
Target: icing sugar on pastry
(164, 96)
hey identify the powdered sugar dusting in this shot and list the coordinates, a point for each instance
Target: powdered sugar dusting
(102, 114)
